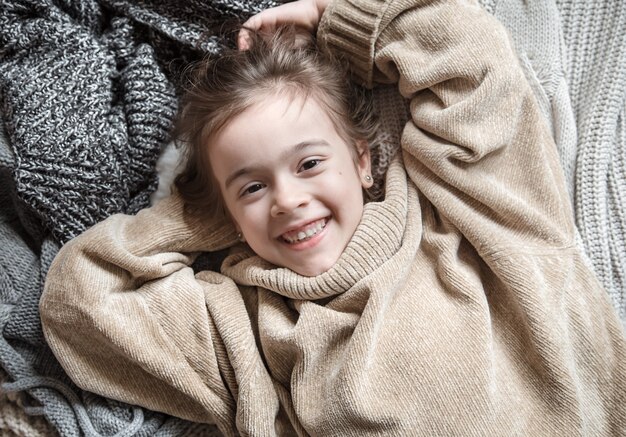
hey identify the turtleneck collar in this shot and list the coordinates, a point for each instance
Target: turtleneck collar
(377, 238)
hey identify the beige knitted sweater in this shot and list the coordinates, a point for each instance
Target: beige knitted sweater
(461, 306)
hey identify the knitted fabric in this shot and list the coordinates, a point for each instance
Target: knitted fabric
(595, 43)
(26, 359)
(575, 57)
(88, 92)
(15, 422)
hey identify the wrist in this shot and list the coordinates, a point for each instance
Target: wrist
(321, 6)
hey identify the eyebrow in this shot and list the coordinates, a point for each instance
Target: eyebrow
(283, 156)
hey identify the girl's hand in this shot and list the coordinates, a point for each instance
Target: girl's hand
(305, 14)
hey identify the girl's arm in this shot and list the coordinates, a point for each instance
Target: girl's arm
(127, 319)
(476, 145)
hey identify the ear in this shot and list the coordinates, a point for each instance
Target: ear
(240, 235)
(230, 217)
(364, 163)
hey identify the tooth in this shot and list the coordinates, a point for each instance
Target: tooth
(310, 232)
(301, 235)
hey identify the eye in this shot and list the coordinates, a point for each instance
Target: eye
(251, 189)
(309, 164)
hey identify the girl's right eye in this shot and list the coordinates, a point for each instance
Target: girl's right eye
(251, 189)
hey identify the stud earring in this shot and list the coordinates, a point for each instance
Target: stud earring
(240, 237)
(368, 178)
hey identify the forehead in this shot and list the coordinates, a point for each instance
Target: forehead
(268, 127)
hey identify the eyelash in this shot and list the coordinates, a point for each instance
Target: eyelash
(247, 190)
(315, 160)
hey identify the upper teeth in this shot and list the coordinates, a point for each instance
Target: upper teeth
(312, 229)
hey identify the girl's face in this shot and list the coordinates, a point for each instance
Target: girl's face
(290, 183)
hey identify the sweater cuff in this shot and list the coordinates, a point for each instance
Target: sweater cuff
(350, 28)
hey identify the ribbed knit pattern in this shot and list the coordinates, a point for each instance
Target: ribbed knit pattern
(595, 40)
(574, 54)
(461, 306)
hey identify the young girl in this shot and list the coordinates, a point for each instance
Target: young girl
(458, 305)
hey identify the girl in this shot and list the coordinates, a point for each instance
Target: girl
(458, 305)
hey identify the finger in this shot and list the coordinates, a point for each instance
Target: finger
(244, 42)
(300, 13)
(263, 21)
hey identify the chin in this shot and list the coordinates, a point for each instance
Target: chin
(313, 270)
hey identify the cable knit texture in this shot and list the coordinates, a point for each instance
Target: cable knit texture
(462, 304)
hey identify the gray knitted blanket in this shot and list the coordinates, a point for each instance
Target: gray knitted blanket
(88, 91)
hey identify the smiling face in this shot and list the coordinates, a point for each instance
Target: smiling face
(290, 183)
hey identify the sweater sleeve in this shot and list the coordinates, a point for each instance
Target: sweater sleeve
(476, 145)
(127, 318)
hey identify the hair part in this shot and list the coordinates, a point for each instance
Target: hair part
(221, 88)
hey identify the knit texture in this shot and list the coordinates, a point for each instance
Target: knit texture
(575, 57)
(14, 422)
(34, 374)
(461, 306)
(595, 49)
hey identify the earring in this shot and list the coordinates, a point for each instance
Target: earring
(240, 237)
(368, 178)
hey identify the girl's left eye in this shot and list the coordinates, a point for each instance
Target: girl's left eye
(307, 165)
(251, 189)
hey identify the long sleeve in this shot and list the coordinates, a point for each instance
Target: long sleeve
(127, 318)
(476, 145)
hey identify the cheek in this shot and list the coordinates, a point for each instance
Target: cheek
(251, 220)
(230, 212)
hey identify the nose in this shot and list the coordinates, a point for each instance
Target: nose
(288, 196)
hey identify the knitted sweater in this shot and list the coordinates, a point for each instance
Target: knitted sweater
(462, 304)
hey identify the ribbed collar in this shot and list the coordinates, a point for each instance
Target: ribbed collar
(378, 236)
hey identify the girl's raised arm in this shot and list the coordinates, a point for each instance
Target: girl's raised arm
(476, 145)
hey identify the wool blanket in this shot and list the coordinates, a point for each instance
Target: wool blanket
(89, 89)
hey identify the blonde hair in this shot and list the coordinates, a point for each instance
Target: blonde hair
(222, 88)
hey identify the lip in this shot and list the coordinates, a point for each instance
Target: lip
(311, 242)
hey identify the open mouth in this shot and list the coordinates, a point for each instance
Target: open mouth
(305, 233)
